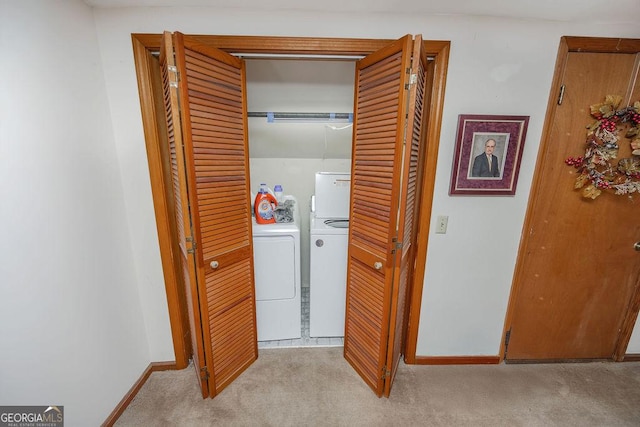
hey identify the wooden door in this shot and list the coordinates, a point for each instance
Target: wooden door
(206, 111)
(577, 270)
(181, 205)
(388, 122)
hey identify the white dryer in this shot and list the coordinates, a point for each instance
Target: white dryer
(329, 238)
(276, 260)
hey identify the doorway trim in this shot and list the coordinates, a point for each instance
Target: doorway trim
(144, 45)
(567, 44)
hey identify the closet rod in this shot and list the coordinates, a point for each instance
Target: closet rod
(301, 116)
(298, 56)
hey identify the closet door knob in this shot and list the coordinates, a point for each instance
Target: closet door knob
(214, 264)
(637, 246)
(377, 265)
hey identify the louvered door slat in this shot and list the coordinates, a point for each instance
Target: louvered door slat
(202, 74)
(376, 118)
(206, 199)
(224, 66)
(228, 242)
(376, 140)
(211, 235)
(230, 129)
(226, 101)
(381, 93)
(200, 68)
(379, 124)
(372, 77)
(213, 100)
(211, 225)
(379, 104)
(223, 131)
(375, 223)
(223, 123)
(219, 91)
(205, 171)
(210, 150)
(225, 109)
(381, 107)
(227, 190)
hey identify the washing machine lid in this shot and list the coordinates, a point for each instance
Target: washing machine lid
(337, 223)
(325, 226)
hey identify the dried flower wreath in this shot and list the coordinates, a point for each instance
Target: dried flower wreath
(597, 173)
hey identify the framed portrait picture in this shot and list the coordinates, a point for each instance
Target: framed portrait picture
(487, 154)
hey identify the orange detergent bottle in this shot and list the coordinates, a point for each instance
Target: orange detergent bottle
(264, 206)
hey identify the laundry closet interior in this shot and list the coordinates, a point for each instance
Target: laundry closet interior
(299, 126)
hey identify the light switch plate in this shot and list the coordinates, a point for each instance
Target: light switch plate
(441, 224)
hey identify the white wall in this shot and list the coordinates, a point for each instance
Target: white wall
(634, 342)
(497, 66)
(72, 330)
(299, 86)
(82, 303)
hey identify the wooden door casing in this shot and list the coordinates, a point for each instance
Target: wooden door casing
(577, 276)
(144, 48)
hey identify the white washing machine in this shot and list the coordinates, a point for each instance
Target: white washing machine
(276, 260)
(329, 238)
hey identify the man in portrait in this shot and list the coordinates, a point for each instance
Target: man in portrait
(485, 165)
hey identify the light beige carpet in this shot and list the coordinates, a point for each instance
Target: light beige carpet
(317, 387)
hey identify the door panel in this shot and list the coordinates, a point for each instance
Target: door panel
(213, 122)
(578, 270)
(406, 233)
(181, 201)
(377, 204)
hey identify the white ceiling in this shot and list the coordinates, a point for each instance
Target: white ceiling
(555, 10)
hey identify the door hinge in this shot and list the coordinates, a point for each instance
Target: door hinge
(194, 246)
(561, 95)
(396, 245)
(413, 79)
(173, 69)
(385, 372)
(507, 337)
(204, 373)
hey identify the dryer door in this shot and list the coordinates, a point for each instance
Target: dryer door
(275, 267)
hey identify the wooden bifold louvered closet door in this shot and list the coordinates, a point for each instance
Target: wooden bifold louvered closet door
(205, 103)
(388, 124)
